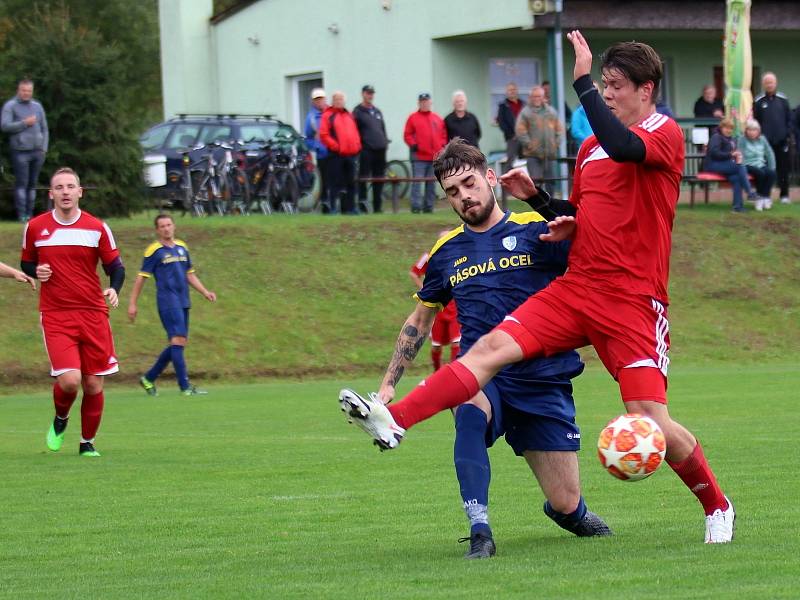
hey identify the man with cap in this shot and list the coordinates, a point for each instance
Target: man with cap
(372, 161)
(311, 131)
(426, 134)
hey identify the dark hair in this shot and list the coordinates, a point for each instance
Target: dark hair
(63, 171)
(162, 216)
(637, 61)
(456, 157)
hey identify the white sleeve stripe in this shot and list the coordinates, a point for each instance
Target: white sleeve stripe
(110, 236)
(651, 127)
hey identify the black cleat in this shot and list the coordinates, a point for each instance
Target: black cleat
(87, 449)
(591, 525)
(480, 546)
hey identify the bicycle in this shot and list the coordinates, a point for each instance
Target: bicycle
(396, 169)
(274, 179)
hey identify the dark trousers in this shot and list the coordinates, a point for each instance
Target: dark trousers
(342, 170)
(27, 164)
(782, 167)
(371, 163)
(764, 179)
(324, 184)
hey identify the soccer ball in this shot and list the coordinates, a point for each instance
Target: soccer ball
(631, 447)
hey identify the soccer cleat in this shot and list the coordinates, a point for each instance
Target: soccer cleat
(193, 391)
(591, 525)
(55, 435)
(373, 417)
(720, 525)
(480, 545)
(87, 449)
(148, 386)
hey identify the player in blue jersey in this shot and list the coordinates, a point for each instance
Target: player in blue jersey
(489, 266)
(168, 261)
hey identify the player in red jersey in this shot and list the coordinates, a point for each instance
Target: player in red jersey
(61, 249)
(445, 331)
(614, 293)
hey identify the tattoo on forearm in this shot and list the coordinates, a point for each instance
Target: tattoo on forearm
(408, 344)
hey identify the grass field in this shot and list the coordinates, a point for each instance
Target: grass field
(263, 491)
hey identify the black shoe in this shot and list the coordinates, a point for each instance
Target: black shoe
(416, 211)
(427, 210)
(480, 545)
(87, 449)
(591, 525)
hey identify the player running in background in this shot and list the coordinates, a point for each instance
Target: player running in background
(167, 259)
(12, 273)
(61, 249)
(445, 331)
(487, 267)
(614, 293)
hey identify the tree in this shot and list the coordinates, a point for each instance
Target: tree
(98, 81)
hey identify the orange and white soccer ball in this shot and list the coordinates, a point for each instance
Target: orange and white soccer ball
(631, 447)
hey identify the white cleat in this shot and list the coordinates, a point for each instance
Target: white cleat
(373, 417)
(720, 525)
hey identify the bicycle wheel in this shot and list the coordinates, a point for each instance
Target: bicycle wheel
(290, 193)
(202, 193)
(396, 169)
(240, 191)
(310, 201)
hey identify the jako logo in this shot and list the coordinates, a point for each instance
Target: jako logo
(460, 261)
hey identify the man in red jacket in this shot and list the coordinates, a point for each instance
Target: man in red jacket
(426, 135)
(339, 133)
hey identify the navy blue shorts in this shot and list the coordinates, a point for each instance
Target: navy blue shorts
(532, 415)
(175, 321)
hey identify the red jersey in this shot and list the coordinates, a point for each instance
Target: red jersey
(419, 269)
(623, 237)
(72, 251)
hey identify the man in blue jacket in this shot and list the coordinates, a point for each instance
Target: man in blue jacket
(311, 131)
(24, 120)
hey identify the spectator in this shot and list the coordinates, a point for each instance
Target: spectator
(771, 110)
(759, 160)
(462, 123)
(24, 119)
(722, 157)
(567, 110)
(507, 113)
(708, 106)
(339, 133)
(579, 126)
(539, 132)
(372, 162)
(426, 134)
(311, 131)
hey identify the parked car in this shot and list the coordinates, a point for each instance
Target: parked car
(246, 133)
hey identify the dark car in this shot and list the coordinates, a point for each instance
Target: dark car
(245, 132)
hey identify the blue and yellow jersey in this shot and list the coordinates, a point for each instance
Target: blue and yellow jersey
(490, 274)
(169, 266)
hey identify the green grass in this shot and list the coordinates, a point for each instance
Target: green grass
(264, 491)
(322, 296)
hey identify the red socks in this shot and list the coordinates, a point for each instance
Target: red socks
(91, 412)
(454, 350)
(436, 357)
(62, 401)
(448, 387)
(699, 478)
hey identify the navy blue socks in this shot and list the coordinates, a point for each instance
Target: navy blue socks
(180, 367)
(161, 363)
(472, 466)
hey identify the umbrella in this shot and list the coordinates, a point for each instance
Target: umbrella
(738, 63)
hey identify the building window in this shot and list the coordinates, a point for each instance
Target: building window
(525, 72)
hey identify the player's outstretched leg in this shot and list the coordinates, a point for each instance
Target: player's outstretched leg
(474, 474)
(582, 522)
(373, 417)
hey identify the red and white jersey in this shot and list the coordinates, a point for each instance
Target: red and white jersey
(623, 238)
(72, 251)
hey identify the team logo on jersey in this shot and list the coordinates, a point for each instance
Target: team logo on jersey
(180, 251)
(510, 242)
(45, 232)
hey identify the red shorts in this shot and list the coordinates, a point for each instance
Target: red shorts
(446, 329)
(79, 340)
(626, 330)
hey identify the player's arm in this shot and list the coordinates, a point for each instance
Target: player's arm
(133, 309)
(195, 282)
(12, 273)
(619, 142)
(116, 277)
(412, 337)
(416, 279)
